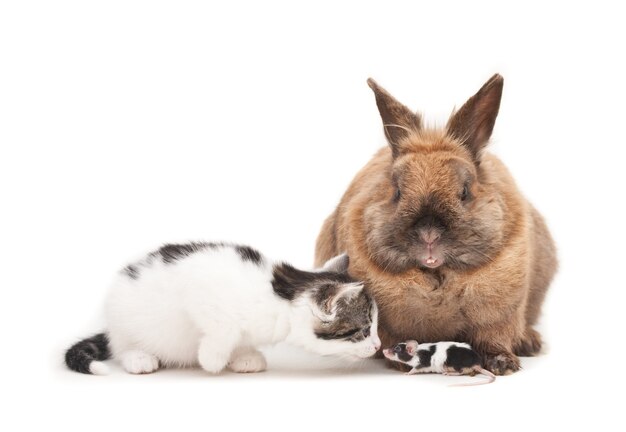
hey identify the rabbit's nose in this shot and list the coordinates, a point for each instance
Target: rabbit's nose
(429, 235)
(430, 226)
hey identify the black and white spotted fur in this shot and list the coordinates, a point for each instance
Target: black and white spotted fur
(215, 304)
(448, 358)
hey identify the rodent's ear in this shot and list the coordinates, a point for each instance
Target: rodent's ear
(411, 346)
(338, 264)
(474, 122)
(398, 120)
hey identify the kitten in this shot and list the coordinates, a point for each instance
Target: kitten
(214, 304)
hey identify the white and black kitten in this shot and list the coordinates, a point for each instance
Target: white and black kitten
(214, 304)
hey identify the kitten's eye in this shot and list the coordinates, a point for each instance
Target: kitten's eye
(397, 195)
(465, 193)
(397, 349)
(347, 334)
(366, 332)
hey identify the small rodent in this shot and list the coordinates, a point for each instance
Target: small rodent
(448, 358)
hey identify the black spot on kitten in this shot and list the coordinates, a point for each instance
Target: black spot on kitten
(425, 356)
(174, 252)
(460, 358)
(132, 271)
(80, 355)
(248, 254)
(286, 281)
(289, 282)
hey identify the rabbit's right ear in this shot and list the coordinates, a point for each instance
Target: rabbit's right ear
(474, 122)
(398, 120)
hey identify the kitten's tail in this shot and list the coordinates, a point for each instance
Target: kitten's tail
(86, 356)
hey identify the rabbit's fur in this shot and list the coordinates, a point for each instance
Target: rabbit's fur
(449, 247)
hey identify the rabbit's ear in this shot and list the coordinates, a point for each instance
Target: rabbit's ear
(474, 122)
(338, 264)
(398, 120)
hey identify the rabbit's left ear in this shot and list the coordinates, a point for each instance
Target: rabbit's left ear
(474, 122)
(338, 264)
(398, 120)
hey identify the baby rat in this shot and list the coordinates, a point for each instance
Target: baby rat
(448, 358)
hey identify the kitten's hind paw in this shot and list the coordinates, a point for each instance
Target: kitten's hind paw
(139, 362)
(247, 361)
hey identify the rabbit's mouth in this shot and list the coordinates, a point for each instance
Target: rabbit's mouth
(432, 257)
(431, 262)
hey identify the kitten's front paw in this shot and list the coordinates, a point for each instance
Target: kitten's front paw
(139, 362)
(502, 363)
(248, 362)
(213, 362)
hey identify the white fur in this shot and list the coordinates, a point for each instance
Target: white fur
(138, 362)
(98, 368)
(211, 309)
(246, 359)
(438, 359)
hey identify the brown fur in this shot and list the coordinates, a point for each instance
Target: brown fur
(499, 256)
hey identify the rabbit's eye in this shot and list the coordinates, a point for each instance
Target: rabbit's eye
(465, 193)
(396, 195)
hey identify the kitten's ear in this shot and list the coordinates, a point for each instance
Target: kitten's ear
(327, 296)
(338, 264)
(398, 120)
(474, 122)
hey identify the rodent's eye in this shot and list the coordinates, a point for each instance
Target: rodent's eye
(465, 193)
(397, 349)
(397, 195)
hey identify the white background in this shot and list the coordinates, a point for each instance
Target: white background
(125, 124)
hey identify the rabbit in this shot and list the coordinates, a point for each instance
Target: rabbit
(446, 243)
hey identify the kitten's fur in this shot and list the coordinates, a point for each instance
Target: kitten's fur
(214, 304)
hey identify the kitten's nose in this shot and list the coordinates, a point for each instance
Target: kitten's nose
(377, 344)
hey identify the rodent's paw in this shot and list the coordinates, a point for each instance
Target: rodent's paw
(530, 345)
(502, 364)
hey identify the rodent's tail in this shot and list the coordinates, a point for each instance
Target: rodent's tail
(491, 377)
(86, 356)
(480, 370)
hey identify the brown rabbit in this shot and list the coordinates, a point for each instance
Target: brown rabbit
(449, 247)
